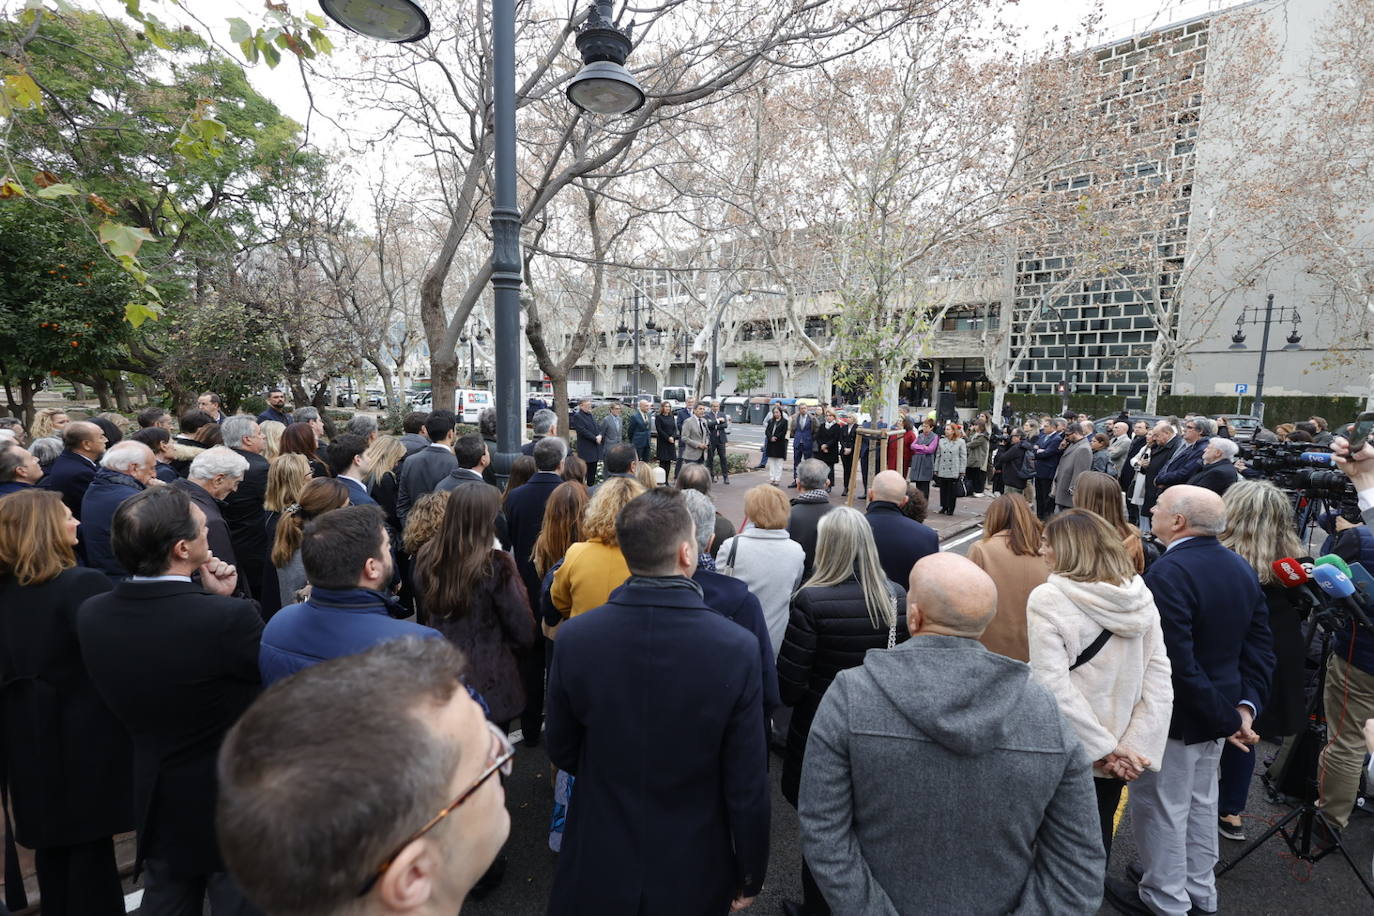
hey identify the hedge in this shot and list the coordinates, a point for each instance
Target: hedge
(1277, 409)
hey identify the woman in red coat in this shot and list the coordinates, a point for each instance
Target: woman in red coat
(899, 447)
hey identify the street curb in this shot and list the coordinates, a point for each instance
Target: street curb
(966, 525)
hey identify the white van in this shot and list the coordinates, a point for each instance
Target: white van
(470, 403)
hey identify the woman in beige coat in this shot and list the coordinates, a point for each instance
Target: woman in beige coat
(1009, 552)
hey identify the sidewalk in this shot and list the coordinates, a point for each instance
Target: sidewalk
(968, 514)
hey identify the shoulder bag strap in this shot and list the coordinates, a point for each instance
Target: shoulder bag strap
(1093, 648)
(730, 560)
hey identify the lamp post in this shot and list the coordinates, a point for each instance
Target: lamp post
(603, 86)
(635, 309)
(1252, 315)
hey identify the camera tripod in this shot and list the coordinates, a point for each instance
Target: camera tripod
(1299, 777)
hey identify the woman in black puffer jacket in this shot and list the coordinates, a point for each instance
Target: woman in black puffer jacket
(847, 607)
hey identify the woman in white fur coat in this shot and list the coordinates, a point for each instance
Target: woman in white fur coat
(1115, 690)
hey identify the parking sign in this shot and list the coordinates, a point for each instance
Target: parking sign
(1242, 388)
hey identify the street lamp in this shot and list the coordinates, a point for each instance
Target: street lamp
(1251, 315)
(403, 21)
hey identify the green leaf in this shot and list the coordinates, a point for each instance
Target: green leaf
(321, 41)
(239, 31)
(54, 191)
(250, 50)
(152, 29)
(123, 241)
(138, 312)
(318, 22)
(270, 54)
(19, 91)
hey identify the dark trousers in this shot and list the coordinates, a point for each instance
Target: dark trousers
(532, 669)
(1108, 798)
(1235, 771)
(977, 479)
(847, 464)
(1044, 497)
(799, 455)
(830, 473)
(949, 493)
(813, 902)
(591, 473)
(924, 487)
(667, 465)
(642, 451)
(714, 450)
(80, 880)
(168, 895)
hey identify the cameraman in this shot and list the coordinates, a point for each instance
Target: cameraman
(1349, 694)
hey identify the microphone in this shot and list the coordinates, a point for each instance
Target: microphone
(1326, 459)
(1338, 586)
(1331, 559)
(1292, 573)
(1364, 582)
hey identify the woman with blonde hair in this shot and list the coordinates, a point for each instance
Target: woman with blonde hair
(847, 607)
(48, 423)
(951, 464)
(423, 521)
(320, 495)
(1097, 645)
(287, 476)
(67, 762)
(1101, 493)
(764, 557)
(1259, 527)
(271, 434)
(595, 567)
(644, 473)
(1009, 552)
(382, 459)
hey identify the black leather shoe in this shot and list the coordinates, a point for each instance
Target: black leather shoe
(1125, 898)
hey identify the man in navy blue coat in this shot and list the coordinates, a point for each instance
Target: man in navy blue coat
(1047, 455)
(641, 429)
(524, 521)
(347, 558)
(1216, 631)
(125, 470)
(83, 444)
(1187, 460)
(901, 541)
(583, 422)
(655, 705)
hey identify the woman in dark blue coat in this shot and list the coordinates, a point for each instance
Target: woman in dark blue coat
(665, 430)
(67, 760)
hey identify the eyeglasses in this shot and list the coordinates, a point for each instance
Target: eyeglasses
(500, 756)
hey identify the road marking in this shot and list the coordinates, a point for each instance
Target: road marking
(976, 533)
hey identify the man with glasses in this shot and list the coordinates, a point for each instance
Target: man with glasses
(365, 784)
(1187, 460)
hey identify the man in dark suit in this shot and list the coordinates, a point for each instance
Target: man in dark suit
(1217, 472)
(345, 459)
(901, 541)
(1188, 459)
(213, 475)
(1047, 455)
(1216, 631)
(544, 424)
(83, 444)
(672, 808)
(413, 432)
(717, 435)
(177, 663)
(474, 459)
(583, 422)
(803, 430)
(276, 408)
(808, 507)
(243, 508)
(620, 462)
(641, 429)
(1164, 442)
(524, 520)
(125, 469)
(422, 471)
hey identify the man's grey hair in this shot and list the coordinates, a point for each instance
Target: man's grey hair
(1165, 426)
(486, 423)
(1205, 513)
(543, 421)
(362, 425)
(703, 513)
(1205, 427)
(235, 428)
(643, 402)
(1228, 449)
(127, 455)
(548, 452)
(812, 473)
(1086, 427)
(305, 414)
(213, 462)
(45, 449)
(1060, 423)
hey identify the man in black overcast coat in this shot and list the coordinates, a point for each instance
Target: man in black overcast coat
(177, 663)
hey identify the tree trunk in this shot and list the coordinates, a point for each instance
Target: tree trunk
(102, 391)
(443, 381)
(388, 388)
(78, 390)
(1154, 374)
(999, 397)
(121, 394)
(887, 406)
(559, 380)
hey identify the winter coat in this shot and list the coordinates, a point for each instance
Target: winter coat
(108, 488)
(951, 458)
(585, 424)
(925, 734)
(978, 447)
(829, 631)
(1286, 712)
(770, 563)
(591, 570)
(802, 522)
(803, 432)
(67, 760)
(694, 439)
(1009, 462)
(828, 442)
(775, 429)
(1047, 454)
(923, 456)
(1123, 695)
(1075, 459)
(665, 429)
(1015, 576)
(497, 624)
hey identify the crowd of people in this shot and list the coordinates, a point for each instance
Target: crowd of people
(295, 664)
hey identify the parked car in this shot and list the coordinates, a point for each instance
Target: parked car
(376, 398)
(1243, 426)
